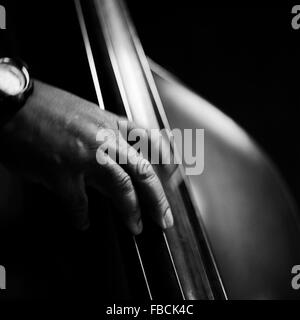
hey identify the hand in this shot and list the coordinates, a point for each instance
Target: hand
(52, 140)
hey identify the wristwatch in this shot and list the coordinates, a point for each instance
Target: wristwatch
(15, 87)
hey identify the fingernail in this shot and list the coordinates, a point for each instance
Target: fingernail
(138, 227)
(168, 220)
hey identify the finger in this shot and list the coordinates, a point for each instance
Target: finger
(71, 189)
(121, 189)
(148, 183)
(155, 145)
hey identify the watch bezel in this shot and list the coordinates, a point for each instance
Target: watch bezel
(23, 69)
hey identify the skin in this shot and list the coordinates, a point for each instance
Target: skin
(57, 132)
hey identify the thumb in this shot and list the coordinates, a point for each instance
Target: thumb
(71, 189)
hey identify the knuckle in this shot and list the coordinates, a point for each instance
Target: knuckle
(124, 183)
(105, 136)
(81, 150)
(162, 201)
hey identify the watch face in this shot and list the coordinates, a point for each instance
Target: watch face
(12, 79)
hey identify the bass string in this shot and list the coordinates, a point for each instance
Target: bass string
(102, 106)
(96, 83)
(89, 54)
(158, 104)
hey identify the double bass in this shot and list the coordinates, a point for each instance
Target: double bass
(236, 228)
(223, 244)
